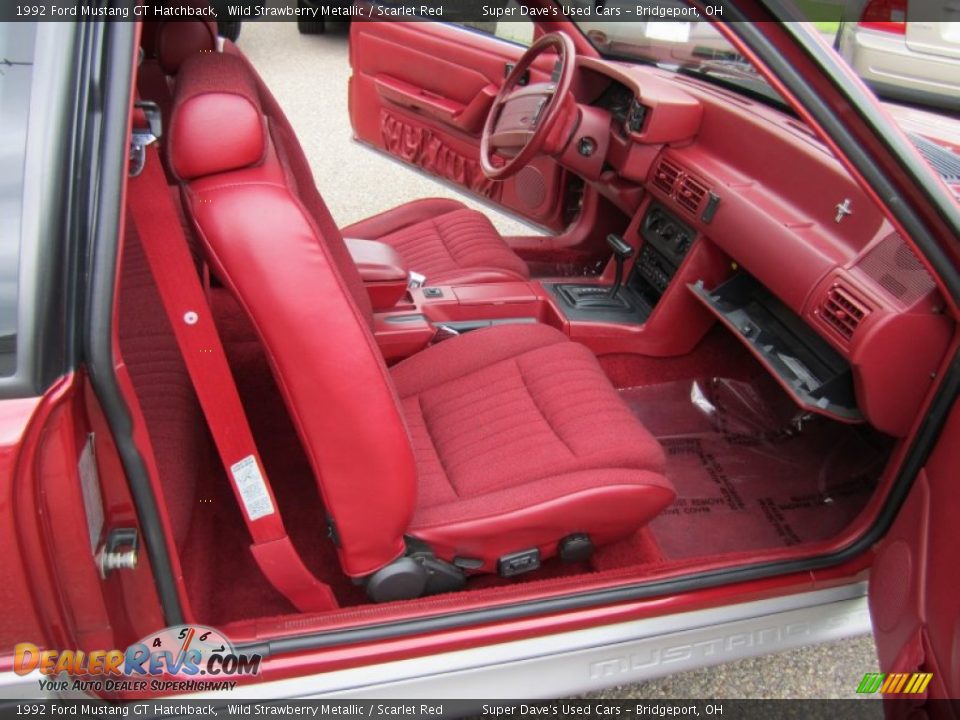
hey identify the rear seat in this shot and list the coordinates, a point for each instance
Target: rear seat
(165, 46)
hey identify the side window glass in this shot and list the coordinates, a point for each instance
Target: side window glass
(16, 74)
(518, 30)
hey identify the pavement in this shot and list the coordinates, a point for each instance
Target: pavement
(308, 75)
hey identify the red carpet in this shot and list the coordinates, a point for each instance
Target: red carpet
(747, 476)
(750, 470)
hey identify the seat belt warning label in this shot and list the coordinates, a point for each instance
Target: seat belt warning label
(252, 488)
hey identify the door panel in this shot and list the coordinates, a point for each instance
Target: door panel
(421, 91)
(66, 493)
(914, 585)
(22, 618)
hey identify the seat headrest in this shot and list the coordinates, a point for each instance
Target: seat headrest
(177, 41)
(216, 124)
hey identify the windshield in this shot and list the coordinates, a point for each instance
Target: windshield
(694, 46)
(690, 46)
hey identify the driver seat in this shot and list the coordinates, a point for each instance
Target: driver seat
(439, 238)
(444, 240)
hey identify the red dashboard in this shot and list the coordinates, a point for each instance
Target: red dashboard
(738, 213)
(760, 187)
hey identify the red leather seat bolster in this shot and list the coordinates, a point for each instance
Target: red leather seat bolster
(349, 422)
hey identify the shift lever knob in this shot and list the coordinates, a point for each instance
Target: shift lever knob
(622, 250)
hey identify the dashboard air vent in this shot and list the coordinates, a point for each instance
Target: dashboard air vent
(665, 176)
(843, 311)
(690, 194)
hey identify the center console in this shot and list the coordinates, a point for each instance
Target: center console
(429, 314)
(653, 263)
(666, 242)
(382, 270)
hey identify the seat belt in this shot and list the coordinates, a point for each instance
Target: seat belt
(174, 272)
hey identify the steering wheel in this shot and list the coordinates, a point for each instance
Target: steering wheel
(522, 116)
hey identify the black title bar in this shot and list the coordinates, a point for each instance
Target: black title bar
(436, 10)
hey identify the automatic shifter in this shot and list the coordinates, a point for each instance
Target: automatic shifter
(600, 297)
(622, 251)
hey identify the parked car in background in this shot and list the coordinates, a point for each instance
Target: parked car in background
(228, 23)
(318, 24)
(903, 52)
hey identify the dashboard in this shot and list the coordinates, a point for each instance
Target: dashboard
(626, 110)
(827, 296)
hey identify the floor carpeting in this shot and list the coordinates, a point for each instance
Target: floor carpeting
(751, 470)
(748, 472)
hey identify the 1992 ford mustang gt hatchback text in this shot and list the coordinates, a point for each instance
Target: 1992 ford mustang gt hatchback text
(412, 456)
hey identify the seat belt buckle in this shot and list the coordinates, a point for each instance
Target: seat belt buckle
(143, 136)
(444, 332)
(415, 280)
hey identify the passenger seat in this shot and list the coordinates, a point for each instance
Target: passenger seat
(487, 453)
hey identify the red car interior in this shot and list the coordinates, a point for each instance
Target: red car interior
(426, 102)
(529, 119)
(702, 367)
(440, 239)
(502, 457)
(444, 241)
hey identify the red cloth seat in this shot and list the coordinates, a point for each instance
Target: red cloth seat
(445, 241)
(520, 440)
(495, 442)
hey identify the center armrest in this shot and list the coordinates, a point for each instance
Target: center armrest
(382, 270)
(377, 261)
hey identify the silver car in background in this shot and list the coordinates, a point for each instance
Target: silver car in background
(906, 50)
